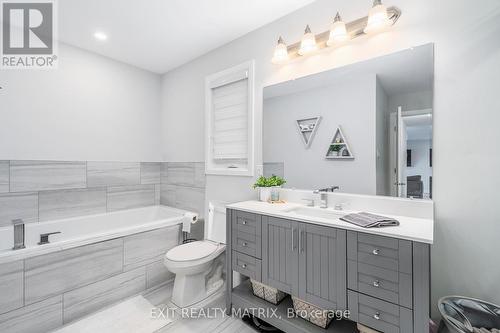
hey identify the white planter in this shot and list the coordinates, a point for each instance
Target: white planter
(264, 193)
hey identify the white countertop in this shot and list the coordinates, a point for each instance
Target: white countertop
(410, 228)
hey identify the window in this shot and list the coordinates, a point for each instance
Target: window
(229, 121)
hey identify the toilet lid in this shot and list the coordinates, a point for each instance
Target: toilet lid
(191, 251)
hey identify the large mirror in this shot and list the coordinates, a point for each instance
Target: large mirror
(366, 127)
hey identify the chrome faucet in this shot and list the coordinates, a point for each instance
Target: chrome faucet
(323, 193)
(18, 234)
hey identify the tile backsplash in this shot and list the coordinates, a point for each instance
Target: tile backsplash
(48, 190)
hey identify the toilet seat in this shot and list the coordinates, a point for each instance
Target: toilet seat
(192, 251)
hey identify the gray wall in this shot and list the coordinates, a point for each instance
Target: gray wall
(350, 104)
(467, 77)
(41, 293)
(49, 190)
(89, 108)
(183, 186)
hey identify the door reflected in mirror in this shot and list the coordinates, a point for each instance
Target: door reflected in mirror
(375, 133)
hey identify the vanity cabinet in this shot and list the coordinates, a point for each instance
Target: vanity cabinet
(382, 281)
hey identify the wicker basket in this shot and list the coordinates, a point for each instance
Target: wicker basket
(270, 294)
(312, 313)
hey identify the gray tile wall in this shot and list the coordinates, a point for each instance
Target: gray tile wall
(48, 190)
(41, 293)
(274, 168)
(4, 176)
(183, 186)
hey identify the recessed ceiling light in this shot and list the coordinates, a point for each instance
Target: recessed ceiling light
(100, 36)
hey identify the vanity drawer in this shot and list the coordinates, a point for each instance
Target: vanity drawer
(246, 222)
(379, 315)
(247, 243)
(247, 265)
(384, 252)
(391, 286)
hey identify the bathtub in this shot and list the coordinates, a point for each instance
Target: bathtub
(78, 231)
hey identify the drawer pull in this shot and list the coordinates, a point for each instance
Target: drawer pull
(244, 265)
(244, 222)
(376, 283)
(376, 316)
(245, 244)
(376, 252)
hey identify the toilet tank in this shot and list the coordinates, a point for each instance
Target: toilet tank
(216, 222)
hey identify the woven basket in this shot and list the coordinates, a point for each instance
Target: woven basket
(267, 293)
(312, 313)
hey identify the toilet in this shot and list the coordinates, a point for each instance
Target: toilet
(196, 276)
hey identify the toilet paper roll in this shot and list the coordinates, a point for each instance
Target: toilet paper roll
(188, 219)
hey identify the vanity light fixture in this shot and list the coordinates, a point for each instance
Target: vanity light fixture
(379, 18)
(308, 42)
(280, 52)
(338, 32)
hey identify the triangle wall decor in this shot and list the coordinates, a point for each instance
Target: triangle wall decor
(339, 148)
(307, 129)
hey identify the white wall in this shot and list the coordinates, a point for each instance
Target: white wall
(90, 108)
(341, 104)
(418, 100)
(467, 77)
(382, 142)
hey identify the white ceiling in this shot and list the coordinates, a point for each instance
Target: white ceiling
(159, 35)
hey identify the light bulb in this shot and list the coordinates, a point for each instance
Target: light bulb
(308, 42)
(280, 52)
(378, 19)
(338, 32)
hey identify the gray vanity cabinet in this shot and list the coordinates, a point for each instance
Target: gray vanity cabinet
(305, 260)
(280, 254)
(383, 281)
(322, 266)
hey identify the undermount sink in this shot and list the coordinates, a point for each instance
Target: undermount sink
(317, 212)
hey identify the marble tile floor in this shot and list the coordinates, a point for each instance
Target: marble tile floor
(210, 319)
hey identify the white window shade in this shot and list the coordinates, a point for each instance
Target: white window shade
(230, 121)
(230, 125)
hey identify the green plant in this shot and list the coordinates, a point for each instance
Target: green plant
(269, 182)
(335, 148)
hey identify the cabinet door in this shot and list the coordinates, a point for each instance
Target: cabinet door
(280, 254)
(322, 266)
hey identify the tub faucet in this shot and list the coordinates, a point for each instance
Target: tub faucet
(44, 238)
(18, 234)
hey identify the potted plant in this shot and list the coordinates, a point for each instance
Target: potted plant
(266, 187)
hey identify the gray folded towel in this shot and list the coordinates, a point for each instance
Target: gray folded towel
(367, 220)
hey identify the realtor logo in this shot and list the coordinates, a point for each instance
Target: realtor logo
(28, 34)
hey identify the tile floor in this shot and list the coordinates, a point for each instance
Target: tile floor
(211, 321)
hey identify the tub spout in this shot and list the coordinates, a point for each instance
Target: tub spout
(18, 234)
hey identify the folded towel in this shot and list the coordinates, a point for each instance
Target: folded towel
(367, 220)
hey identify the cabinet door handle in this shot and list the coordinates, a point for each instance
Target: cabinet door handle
(376, 252)
(376, 283)
(244, 265)
(244, 222)
(293, 239)
(245, 244)
(301, 241)
(376, 316)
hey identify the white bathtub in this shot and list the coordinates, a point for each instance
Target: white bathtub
(88, 229)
